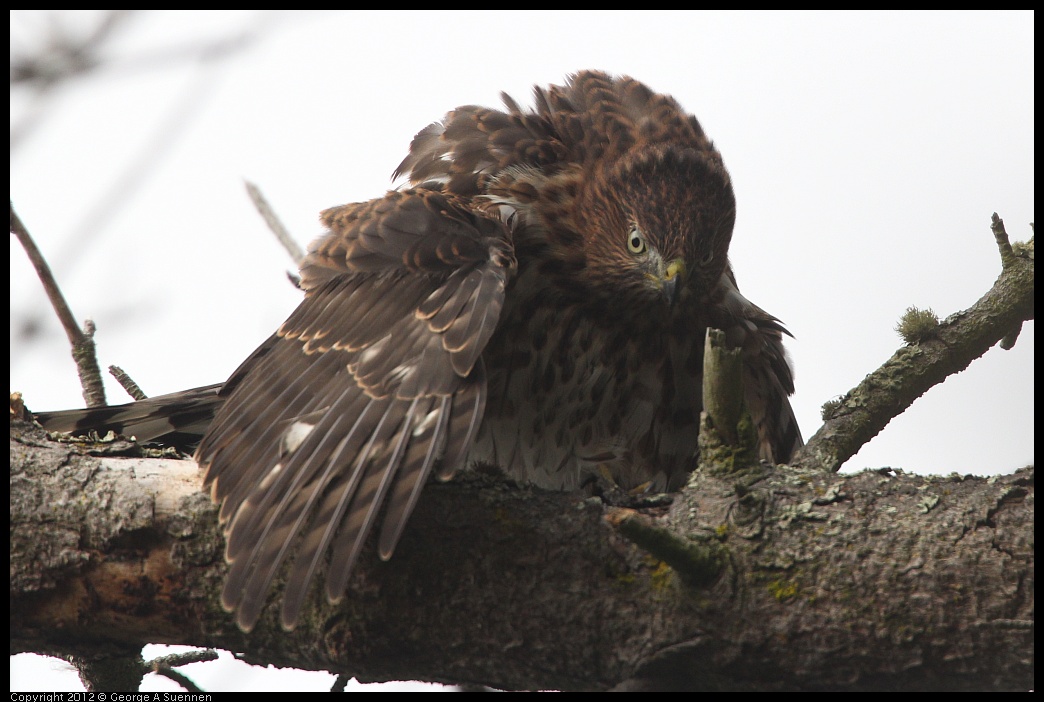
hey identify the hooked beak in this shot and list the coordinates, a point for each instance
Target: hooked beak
(672, 276)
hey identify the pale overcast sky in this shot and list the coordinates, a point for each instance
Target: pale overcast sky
(867, 151)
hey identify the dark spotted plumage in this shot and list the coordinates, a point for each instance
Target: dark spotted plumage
(538, 300)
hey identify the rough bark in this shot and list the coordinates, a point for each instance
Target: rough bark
(818, 580)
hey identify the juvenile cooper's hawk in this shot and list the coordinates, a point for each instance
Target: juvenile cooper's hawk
(537, 300)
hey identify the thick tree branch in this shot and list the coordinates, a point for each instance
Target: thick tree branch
(865, 581)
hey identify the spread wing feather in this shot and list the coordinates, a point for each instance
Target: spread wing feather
(345, 410)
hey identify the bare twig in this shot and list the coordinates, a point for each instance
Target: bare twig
(177, 677)
(269, 215)
(136, 173)
(127, 383)
(82, 341)
(64, 54)
(164, 665)
(61, 57)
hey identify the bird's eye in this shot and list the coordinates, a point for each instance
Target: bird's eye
(707, 258)
(635, 241)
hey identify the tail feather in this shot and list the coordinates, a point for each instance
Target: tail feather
(179, 419)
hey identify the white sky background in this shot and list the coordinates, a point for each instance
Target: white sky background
(867, 152)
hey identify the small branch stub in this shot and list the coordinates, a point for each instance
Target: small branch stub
(127, 383)
(274, 223)
(1003, 243)
(722, 385)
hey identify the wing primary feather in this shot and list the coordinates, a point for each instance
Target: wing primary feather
(252, 448)
(228, 423)
(327, 521)
(464, 423)
(416, 466)
(328, 518)
(253, 572)
(296, 466)
(364, 506)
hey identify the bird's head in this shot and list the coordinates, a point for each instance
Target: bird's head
(657, 223)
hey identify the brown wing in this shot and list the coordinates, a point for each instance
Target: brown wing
(375, 375)
(768, 381)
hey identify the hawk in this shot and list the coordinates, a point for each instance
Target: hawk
(536, 299)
